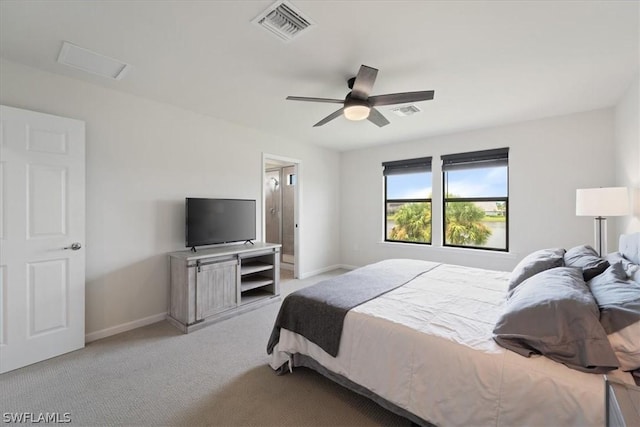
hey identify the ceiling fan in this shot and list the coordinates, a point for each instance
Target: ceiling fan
(358, 105)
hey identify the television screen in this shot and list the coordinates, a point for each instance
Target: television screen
(212, 221)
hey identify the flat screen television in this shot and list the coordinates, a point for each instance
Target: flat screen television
(213, 221)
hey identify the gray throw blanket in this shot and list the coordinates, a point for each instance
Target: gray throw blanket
(318, 312)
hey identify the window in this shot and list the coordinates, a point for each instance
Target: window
(407, 186)
(476, 199)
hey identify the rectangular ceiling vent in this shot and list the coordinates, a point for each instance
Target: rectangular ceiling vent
(284, 21)
(91, 62)
(406, 110)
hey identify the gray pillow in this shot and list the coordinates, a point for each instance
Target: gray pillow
(534, 263)
(587, 259)
(618, 298)
(554, 314)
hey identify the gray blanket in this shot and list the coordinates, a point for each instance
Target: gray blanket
(317, 312)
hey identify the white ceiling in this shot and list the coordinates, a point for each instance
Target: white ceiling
(489, 62)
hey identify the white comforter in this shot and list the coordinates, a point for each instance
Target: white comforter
(427, 347)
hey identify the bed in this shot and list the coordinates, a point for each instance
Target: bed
(427, 346)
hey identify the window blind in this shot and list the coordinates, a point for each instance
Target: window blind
(400, 167)
(477, 159)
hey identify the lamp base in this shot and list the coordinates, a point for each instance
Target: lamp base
(600, 235)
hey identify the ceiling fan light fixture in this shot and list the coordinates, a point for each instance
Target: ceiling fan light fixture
(357, 112)
(360, 105)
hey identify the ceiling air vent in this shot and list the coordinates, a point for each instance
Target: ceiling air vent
(283, 20)
(91, 62)
(406, 110)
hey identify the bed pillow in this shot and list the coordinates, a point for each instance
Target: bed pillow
(629, 247)
(632, 270)
(534, 263)
(587, 259)
(554, 314)
(619, 301)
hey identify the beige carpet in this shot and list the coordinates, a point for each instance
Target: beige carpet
(216, 376)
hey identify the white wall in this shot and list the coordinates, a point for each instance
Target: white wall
(627, 154)
(548, 160)
(143, 159)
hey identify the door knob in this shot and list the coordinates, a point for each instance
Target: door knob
(74, 246)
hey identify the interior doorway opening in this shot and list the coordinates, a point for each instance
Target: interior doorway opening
(280, 208)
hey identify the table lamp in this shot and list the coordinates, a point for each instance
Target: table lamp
(601, 203)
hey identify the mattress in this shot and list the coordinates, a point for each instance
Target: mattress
(427, 348)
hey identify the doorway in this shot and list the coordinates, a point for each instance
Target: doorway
(281, 183)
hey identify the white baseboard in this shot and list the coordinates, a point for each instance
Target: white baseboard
(107, 332)
(348, 267)
(322, 270)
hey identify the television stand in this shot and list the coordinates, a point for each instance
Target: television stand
(221, 282)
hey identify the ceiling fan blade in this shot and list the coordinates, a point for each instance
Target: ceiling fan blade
(363, 84)
(304, 98)
(401, 98)
(377, 118)
(329, 118)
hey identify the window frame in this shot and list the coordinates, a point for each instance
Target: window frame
(476, 160)
(406, 167)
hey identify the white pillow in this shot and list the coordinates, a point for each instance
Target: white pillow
(629, 247)
(632, 270)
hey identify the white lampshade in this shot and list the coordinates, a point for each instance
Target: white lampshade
(602, 202)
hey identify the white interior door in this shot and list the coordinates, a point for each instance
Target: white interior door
(42, 203)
